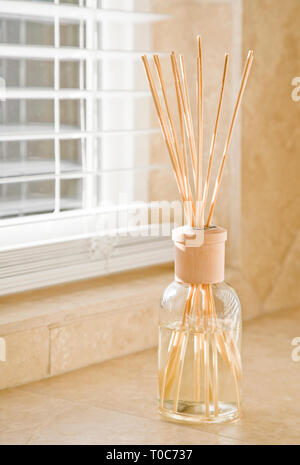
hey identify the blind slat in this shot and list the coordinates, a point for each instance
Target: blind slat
(67, 53)
(78, 175)
(38, 93)
(14, 133)
(71, 13)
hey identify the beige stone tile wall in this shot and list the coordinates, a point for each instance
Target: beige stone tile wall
(270, 154)
(27, 357)
(59, 329)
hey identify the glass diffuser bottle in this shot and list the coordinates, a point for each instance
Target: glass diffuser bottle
(200, 319)
(200, 332)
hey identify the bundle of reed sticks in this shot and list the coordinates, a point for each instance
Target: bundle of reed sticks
(185, 149)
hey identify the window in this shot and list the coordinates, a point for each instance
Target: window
(76, 129)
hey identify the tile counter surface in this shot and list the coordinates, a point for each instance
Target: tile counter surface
(115, 402)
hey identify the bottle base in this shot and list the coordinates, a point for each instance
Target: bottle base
(192, 412)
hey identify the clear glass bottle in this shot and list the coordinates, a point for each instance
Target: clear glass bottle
(199, 351)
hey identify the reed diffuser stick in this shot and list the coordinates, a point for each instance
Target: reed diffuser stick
(181, 158)
(183, 140)
(228, 140)
(188, 112)
(181, 123)
(187, 116)
(214, 136)
(171, 122)
(199, 203)
(165, 129)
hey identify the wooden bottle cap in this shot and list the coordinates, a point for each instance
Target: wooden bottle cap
(199, 254)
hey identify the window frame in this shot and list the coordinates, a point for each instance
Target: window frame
(43, 256)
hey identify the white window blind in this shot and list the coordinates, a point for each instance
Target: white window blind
(76, 126)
